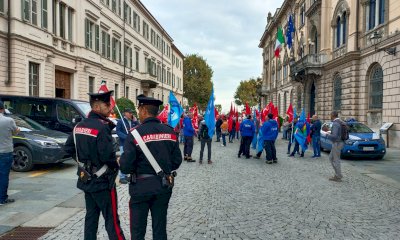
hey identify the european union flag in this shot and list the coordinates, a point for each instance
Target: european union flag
(175, 111)
(289, 31)
(210, 115)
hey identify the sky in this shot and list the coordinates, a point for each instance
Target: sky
(226, 33)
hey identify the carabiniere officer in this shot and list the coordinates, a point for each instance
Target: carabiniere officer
(95, 150)
(146, 190)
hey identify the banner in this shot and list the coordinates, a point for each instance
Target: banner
(209, 116)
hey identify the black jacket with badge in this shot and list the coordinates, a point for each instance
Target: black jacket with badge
(163, 143)
(95, 148)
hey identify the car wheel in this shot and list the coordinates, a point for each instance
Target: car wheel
(22, 159)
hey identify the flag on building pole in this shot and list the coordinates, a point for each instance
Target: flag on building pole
(289, 32)
(210, 115)
(280, 40)
(175, 110)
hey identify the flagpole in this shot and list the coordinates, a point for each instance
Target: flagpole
(122, 119)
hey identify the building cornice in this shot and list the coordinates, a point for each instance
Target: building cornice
(348, 57)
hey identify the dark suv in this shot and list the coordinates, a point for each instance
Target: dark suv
(54, 113)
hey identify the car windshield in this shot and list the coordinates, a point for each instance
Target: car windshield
(84, 106)
(26, 124)
(359, 128)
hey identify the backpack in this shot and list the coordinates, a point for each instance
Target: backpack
(204, 132)
(344, 134)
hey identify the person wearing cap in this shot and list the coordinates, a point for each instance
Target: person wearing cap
(146, 189)
(7, 130)
(95, 149)
(247, 130)
(124, 126)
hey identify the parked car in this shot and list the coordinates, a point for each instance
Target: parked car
(36, 144)
(362, 142)
(54, 113)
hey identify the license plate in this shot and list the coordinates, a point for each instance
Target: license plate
(368, 148)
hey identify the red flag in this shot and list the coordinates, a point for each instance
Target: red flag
(195, 119)
(264, 114)
(308, 135)
(276, 116)
(248, 111)
(270, 107)
(289, 112)
(216, 113)
(231, 111)
(230, 122)
(237, 125)
(103, 88)
(163, 116)
(257, 114)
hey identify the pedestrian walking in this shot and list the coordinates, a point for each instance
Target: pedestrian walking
(188, 132)
(247, 130)
(218, 128)
(337, 144)
(315, 136)
(151, 157)
(257, 126)
(270, 133)
(224, 130)
(124, 126)
(91, 144)
(205, 139)
(8, 128)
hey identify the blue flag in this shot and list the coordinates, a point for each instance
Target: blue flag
(302, 116)
(294, 113)
(210, 115)
(289, 32)
(175, 110)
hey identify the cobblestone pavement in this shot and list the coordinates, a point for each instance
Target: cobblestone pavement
(238, 198)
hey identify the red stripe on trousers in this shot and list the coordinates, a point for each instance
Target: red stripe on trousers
(114, 212)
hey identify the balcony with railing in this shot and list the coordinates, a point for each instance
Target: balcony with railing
(310, 64)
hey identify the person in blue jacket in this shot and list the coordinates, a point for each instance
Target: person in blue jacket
(130, 123)
(270, 133)
(247, 130)
(188, 133)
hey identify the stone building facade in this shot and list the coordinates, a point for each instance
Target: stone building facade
(67, 48)
(344, 58)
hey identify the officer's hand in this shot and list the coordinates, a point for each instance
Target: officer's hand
(118, 160)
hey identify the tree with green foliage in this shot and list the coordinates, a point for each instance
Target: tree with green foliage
(125, 103)
(247, 91)
(197, 83)
(218, 107)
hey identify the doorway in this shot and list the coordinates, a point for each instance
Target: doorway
(312, 99)
(62, 84)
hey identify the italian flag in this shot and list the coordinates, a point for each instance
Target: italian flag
(280, 40)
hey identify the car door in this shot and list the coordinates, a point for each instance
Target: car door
(66, 114)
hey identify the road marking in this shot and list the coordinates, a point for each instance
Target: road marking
(39, 173)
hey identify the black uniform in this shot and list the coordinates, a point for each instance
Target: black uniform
(147, 192)
(95, 148)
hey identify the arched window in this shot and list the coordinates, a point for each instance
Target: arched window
(315, 42)
(337, 93)
(376, 88)
(338, 32)
(375, 12)
(372, 11)
(344, 20)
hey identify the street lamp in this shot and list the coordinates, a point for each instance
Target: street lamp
(375, 37)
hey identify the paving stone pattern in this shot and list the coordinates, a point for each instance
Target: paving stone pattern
(238, 198)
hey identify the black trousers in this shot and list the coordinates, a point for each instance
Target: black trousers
(270, 150)
(203, 143)
(105, 202)
(188, 147)
(246, 145)
(139, 208)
